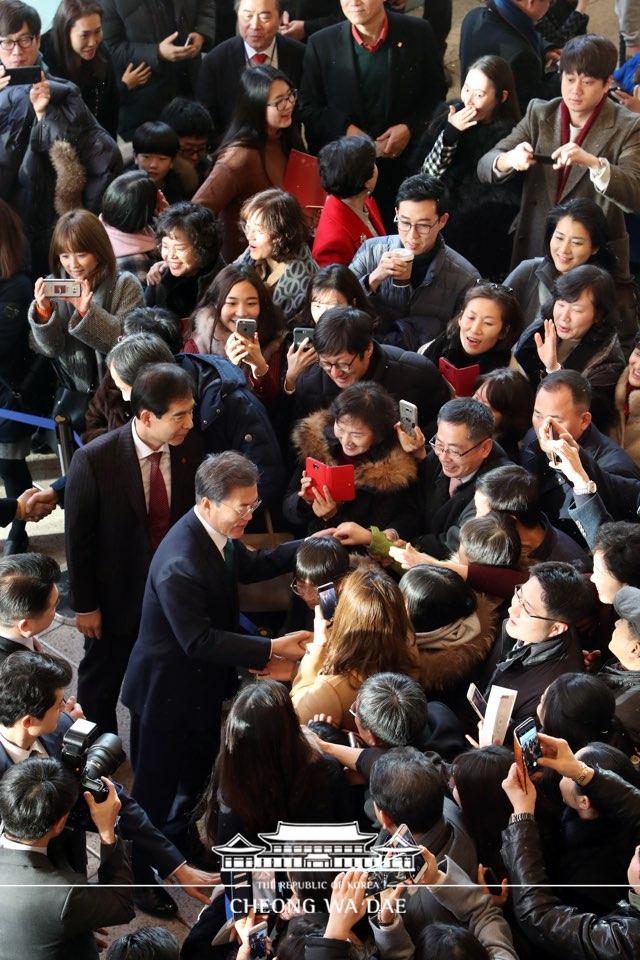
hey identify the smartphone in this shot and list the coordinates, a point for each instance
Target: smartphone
(543, 158)
(303, 333)
(188, 41)
(21, 76)
(493, 884)
(379, 880)
(61, 288)
(408, 417)
(477, 701)
(258, 941)
(247, 328)
(328, 600)
(553, 457)
(526, 747)
(340, 480)
(354, 740)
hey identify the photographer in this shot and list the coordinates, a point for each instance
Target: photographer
(51, 911)
(546, 921)
(32, 721)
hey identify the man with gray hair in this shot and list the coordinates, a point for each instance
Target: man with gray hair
(183, 665)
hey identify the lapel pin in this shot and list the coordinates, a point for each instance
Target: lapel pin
(399, 43)
(183, 459)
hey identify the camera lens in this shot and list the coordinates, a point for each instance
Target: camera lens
(104, 757)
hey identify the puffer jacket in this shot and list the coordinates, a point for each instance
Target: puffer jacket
(438, 296)
(227, 415)
(387, 493)
(550, 924)
(31, 179)
(74, 340)
(449, 655)
(626, 429)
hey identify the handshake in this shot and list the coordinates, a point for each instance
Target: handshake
(34, 504)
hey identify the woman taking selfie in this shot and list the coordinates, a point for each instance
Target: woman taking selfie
(238, 293)
(461, 132)
(73, 49)
(277, 235)
(484, 331)
(254, 151)
(77, 330)
(358, 429)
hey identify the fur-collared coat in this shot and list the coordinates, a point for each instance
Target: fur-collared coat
(387, 493)
(626, 429)
(451, 654)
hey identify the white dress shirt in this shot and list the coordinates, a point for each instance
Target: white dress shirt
(218, 538)
(143, 452)
(22, 847)
(271, 53)
(17, 754)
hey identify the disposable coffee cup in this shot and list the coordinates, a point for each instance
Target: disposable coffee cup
(407, 257)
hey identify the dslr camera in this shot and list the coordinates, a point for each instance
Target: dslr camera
(91, 757)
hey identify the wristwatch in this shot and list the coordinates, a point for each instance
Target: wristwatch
(589, 487)
(517, 817)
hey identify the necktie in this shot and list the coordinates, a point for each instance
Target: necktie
(258, 58)
(454, 483)
(228, 552)
(159, 513)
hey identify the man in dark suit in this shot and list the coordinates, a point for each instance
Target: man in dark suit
(258, 42)
(379, 73)
(50, 912)
(34, 717)
(124, 490)
(28, 600)
(507, 27)
(561, 410)
(183, 665)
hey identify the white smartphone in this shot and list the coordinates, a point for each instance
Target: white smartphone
(477, 701)
(408, 417)
(61, 288)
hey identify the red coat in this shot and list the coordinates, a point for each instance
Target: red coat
(341, 232)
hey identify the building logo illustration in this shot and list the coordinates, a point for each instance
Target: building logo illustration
(306, 846)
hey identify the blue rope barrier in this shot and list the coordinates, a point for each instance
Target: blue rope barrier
(46, 423)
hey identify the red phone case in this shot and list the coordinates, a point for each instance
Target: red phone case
(462, 379)
(341, 481)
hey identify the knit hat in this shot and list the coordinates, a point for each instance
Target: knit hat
(626, 603)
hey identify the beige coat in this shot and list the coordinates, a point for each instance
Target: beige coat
(626, 431)
(314, 692)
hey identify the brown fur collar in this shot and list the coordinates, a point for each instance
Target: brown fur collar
(442, 669)
(71, 177)
(395, 471)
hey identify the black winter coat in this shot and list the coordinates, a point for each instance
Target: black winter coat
(548, 923)
(404, 374)
(16, 359)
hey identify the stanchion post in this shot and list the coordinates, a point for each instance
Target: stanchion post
(64, 436)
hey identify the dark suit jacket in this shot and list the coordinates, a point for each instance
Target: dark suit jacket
(106, 533)
(483, 31)
(134, 824)
(222, 68)
(8, 507)
(445, 515)
(329, 96)
(183, 663)
(48, 922)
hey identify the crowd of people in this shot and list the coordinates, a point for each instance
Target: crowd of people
(342, 476)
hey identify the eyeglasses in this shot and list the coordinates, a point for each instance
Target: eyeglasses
(422, 229)
(190, 153)
(353, 710)
(244, 511)
(253, 229)
(517, 596)
(342, 366)
(283, 102)
(441, 450)
(300, 588)
(24, 42)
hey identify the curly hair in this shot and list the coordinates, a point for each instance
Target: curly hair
(281, 217)
(199, 226)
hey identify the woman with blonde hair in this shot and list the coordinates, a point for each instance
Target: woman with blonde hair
(370, 633)
(78, 331)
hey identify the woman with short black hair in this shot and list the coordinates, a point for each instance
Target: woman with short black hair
(189, 241)
(579, 334)
(350, 215)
